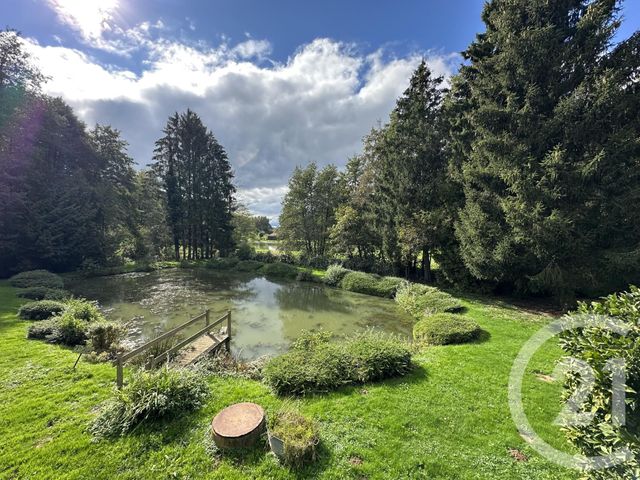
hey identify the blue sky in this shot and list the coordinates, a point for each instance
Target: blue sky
(279, 82)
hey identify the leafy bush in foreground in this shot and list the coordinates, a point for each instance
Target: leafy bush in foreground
(597, 346)
(420, 300)
(370, 284)
(445, 329)
(298, 433)
(315, 364)
(40, 310)
(150, 395)
(36, 278)
(82, 309)
(43, 293)
(278, 269)
(70, 330)
(43, 330)
(334, 274)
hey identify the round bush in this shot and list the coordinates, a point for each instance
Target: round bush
(445, 329)
(43, 293)
(279, 269)
(36, 278)
(84, 310)
(70, 330)
(420, 300)
(369, 284)
(44, 330)
(334, 274)
(40, 310)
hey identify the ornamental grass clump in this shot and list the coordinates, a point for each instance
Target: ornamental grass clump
(296, 436)
(317, 364)
(420, 300)
(150, 396)
(445, 329)
(36, 278)
(40, 310)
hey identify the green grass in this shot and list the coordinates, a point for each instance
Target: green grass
(448, 419)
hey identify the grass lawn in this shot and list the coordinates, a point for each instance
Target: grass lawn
(448, 419)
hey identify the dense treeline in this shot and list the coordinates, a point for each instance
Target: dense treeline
(71, 198)
(523, 174)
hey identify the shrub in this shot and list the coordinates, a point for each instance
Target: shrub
(298, 434)
(36, 278)
(104, 336)
(245, 251)
(40, 310)
(334, 274)
(226, 365)
(84, 310)
(306, 276)
(315, 364)
(370, 284)
(70, 330)
(248, 265)
(445, 329)
(43, 330)
(222, 263)
(279, 269)
(597, 346)
(420, 300)
(267, 257)
(43, 293)
(149, 396)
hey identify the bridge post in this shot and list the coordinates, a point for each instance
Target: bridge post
(207, 316)
(228, 330)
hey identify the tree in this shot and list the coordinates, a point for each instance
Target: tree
(263, 225)
(548, 152)
(197, 178)
(308, 209)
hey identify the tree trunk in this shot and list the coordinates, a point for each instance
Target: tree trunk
(426, 265)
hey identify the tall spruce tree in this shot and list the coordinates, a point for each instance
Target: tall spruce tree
(546, 147)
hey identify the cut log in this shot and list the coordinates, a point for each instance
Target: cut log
(238, 426)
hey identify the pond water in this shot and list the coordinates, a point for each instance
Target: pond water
(267, 314)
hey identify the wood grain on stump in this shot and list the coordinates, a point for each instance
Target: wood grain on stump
(238, 426)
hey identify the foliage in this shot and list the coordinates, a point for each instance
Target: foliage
(445, 329)
(43, 293)
(150, 396)
(40, 310)
(279, 269)
(224, 263)
(307, 276)
(84, 310)
(104, 336)
(224, 364)
(245, 251)
(248, 265)
(370, 284)
(36, 278)
(334, 274)
(315, 364)
(420, 300)
(70, 330)
(298, 433)
(597, 346)
(44, 330)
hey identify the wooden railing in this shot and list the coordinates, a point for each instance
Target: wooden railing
(166, 356)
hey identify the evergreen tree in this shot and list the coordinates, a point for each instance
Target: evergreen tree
(537, 152)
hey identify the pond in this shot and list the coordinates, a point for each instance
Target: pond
(267, 314)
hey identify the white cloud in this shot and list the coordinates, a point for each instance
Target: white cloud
(91, 18)
(270, 116)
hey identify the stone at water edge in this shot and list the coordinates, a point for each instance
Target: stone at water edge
(238, 426)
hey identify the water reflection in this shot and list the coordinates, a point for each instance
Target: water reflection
(267, 313)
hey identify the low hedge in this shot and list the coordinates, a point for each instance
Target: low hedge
(248, 265)
(445, 329)
(370, 284)
(40, 310)
(224, 263)
(44, 330)
(43, 293)
(420, 300)
(36, 278)
(149, 396)
(279, 269)
(315, 364)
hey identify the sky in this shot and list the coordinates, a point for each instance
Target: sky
(280, 83)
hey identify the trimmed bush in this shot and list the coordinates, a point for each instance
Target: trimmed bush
(43, 293)
(370, 284)
(43, 330)
(445, 329)
(334, 275)
(420, 300)
(84, 310)
(40, 310)
(298, 434)
(223, 263)
(69, 330)
(279, 269)
(248, 265)
(315, 364)
(105, 336)
(150, 396)
(36, 278)
(597, 346)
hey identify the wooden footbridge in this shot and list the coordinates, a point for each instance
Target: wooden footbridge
(186, 351)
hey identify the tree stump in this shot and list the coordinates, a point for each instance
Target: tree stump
(238, 426)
